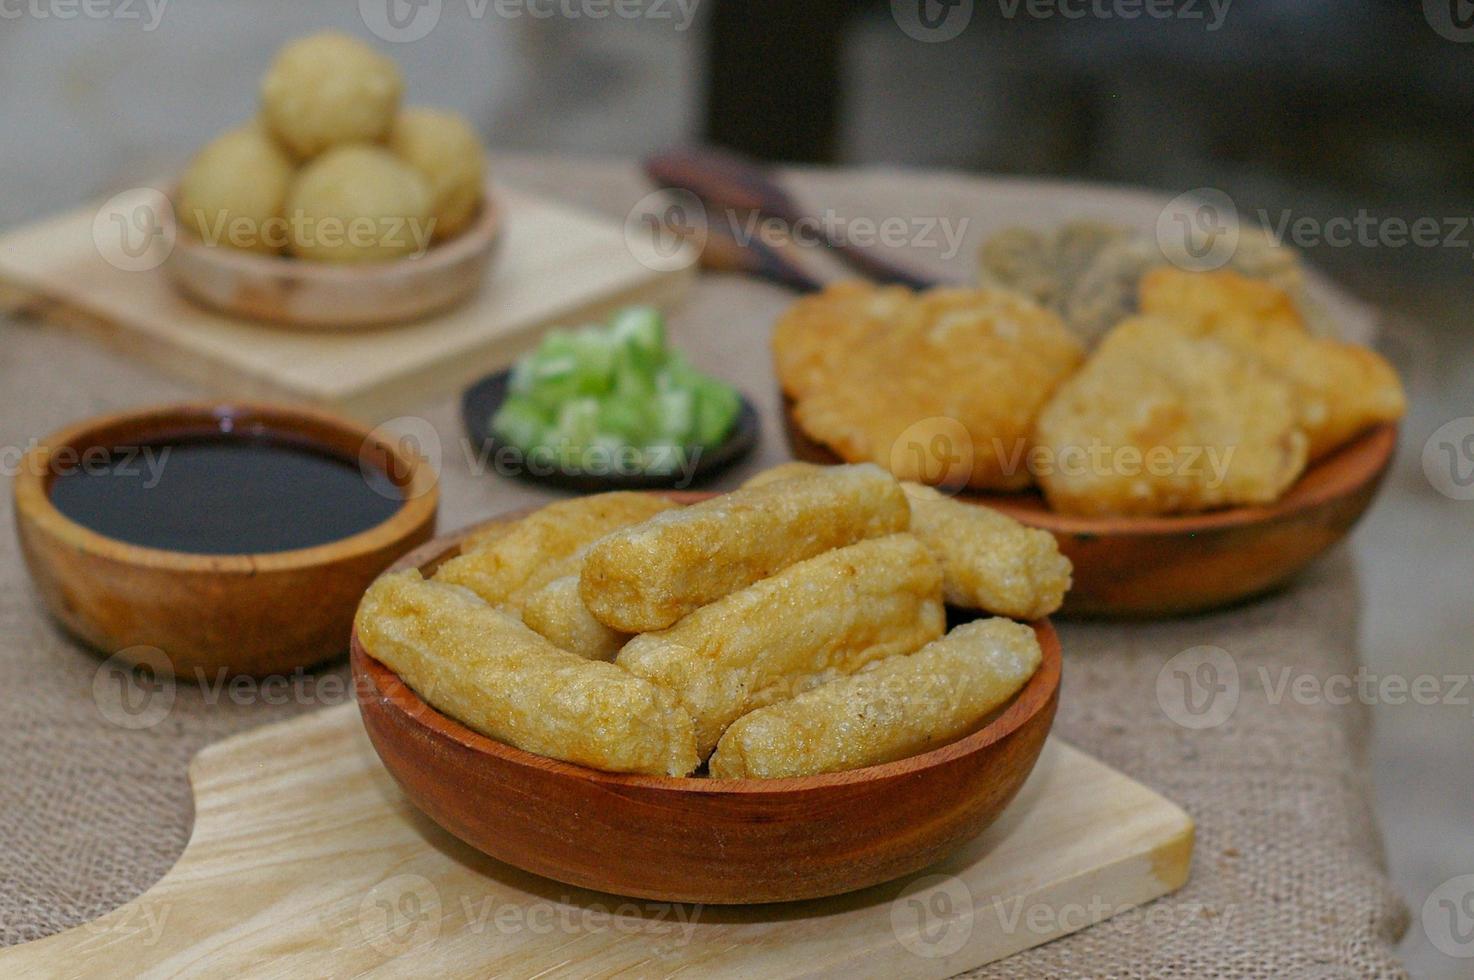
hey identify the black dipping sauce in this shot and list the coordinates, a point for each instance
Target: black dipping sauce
(223, 494)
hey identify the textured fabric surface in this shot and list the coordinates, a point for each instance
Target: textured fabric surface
(1287, 879)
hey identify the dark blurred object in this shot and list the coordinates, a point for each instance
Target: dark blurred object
(773, 76)
(732, 187)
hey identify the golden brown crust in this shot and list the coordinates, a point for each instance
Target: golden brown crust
(936, 386)
(507, 563)
(487, 670)
(820, 618)
(1340, 389)
(990, 562)
(556, 612)
(1159, 421)
(649, 575)
(893, 708)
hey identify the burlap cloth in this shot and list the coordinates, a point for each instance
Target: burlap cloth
(1287, 880)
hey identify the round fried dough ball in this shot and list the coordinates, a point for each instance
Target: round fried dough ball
(234, 187)
(358, 203)
(447, 153)
(327, 89)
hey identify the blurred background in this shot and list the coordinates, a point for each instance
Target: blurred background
(1357, 110)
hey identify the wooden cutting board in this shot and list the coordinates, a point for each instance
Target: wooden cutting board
(306, 860)
(554, 265)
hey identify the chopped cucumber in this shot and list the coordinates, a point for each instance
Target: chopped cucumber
(614, 388)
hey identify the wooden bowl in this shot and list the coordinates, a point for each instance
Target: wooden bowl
(322, 296)
(481, 401)
(252, 614)
(737, 841)
(1151, 567)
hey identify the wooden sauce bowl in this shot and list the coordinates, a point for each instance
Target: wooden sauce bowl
(324, 296)
(728, 841)
(251, 614)
(1152, 567)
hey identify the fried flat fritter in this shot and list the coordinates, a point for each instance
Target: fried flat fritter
(990, 561)
(1159, 421)
(810, 340)
(1340, 389)
(945, 390)
(1089, 272)
(507, 563)
(647, 576)
(820, 618)
(556, 611)
(897, 707)
(1171, 291)
(482, 667)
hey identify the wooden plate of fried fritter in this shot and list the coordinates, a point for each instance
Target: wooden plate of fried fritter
(693, 839)
(1203, 452)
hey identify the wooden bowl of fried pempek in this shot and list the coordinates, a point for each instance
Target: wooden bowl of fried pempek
(733, 841)
(1148, 567)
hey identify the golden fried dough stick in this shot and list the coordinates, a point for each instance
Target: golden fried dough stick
(820, 618)
(783, 471)
(989, 560)
(944, 391)
(505, 565)
(556, 611)
(647, 576)
(897, 707)
(1159, 422)
(1340, 389)
(480, 666)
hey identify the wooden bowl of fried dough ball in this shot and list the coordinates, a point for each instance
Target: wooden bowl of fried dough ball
(525, 735)
(335, 208)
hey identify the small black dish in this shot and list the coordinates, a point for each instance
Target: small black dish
(481, 401)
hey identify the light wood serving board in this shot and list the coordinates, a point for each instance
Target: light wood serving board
(306, 860)
(554, 264)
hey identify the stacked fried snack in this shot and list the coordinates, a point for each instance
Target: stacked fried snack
(333, 169)
(794, 626)
(1215, 394)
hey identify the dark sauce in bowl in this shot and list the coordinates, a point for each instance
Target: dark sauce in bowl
(220, 494)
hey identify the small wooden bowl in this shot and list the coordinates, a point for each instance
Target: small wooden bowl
(322, 296)
(1152, 567)
(252, 614)
(481, 401)
(737, 841)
